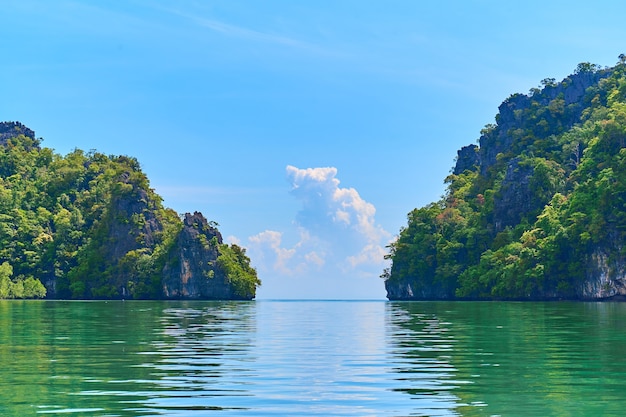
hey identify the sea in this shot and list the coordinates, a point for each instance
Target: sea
(312, 358)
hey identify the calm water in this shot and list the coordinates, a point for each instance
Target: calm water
(304, 358)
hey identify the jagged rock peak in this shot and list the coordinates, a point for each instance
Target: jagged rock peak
(10, 130)
(197, 221)
(468, 158)
(516, 113)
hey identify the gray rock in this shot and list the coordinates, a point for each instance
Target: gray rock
(192, 271)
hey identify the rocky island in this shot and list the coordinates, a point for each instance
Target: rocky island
(536, 211)
(88, 226)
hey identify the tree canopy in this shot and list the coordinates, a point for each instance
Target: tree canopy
(85, 225)
(541, 214)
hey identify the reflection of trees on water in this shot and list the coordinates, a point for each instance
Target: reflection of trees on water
(421, 346)
(535, 359)
(201, 355)
(184, 358)
(123, 358)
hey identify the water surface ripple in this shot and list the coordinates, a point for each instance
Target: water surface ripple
(312, 358)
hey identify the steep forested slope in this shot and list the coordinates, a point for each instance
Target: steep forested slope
(87, 225)
(537, 211)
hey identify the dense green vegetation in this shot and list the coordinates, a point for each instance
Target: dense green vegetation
(19, 288)
(234, 262)
(85, 225)
(538, 210)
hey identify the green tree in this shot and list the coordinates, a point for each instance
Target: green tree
(236, 266)
(547, 201)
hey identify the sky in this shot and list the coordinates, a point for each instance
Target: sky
(306, 129)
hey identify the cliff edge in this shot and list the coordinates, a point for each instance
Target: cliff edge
(88, 226)
(536, 211)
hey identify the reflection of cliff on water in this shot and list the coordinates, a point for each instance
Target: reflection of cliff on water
(64, 357)
(421, 346)
(123, 358)
(532, 359)
(201, 355)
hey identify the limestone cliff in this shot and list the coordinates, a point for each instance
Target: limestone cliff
(414, 290)
(605, 274)
(564, 103)
(537, 210)
(468, 158)
(192, 270)
(528, 185)
(88, 226)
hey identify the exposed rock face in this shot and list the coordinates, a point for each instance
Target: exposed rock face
(10, 130)
(571, 91)
(520, 217)
(133, 224)
(88, 226)
(192, 271)
(411, 290)
(499, 141)
(399, 290)
(603, 279)
(468, 158)
(517, 198)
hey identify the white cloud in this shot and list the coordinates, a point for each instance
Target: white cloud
(326, 207)
(318, 175)
(315, 258)
(370, 254)
(336, 231)
(342, 216)
(233, 240)
(266, 250)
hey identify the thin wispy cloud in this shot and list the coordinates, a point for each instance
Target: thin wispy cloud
(241, 32)
(245, 33)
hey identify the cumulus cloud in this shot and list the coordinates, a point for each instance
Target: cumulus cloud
(268, 251)
(273, 255)
(335, 229)
(233, 240)
(328, 209)
(370, 254)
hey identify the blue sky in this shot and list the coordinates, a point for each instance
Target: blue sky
(306, 129)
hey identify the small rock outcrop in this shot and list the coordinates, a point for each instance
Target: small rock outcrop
(10, 130)
(468, 158)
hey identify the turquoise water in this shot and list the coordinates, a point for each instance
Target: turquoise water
(305, 358)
